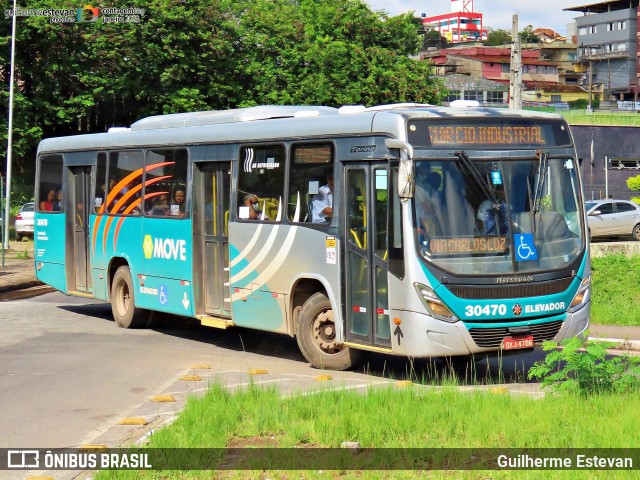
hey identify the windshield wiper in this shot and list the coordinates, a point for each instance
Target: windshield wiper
(477, 176)
(543, 158)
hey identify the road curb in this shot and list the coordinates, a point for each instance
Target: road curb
(621, 344)
(20, 285)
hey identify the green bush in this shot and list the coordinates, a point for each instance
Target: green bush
(580, 104)
(581, 366)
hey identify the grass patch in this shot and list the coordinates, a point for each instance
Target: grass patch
(416, 417)
(624, 119)
(615, 297)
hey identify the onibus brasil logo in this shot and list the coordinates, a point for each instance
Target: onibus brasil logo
(87, 14)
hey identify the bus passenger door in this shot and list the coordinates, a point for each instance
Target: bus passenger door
(78, 224)
(212, 190)
(366, 264)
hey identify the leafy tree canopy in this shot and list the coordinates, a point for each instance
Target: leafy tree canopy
(497, 38)
(201, 55)
(634, 184)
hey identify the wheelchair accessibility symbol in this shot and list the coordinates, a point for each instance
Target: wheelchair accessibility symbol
(163, 294)
(525, 248)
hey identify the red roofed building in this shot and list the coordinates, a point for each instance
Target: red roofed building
(494, 63)
(461, 25)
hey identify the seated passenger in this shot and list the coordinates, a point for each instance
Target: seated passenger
(160, 206)
(178, 204)
(251, 201)
(322, 203)
(57, 204)
(492, 220)
(46, 205)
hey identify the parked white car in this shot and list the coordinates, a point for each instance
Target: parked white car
(613, 218)
(24, 221)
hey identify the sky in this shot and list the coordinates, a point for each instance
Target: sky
(497, 14)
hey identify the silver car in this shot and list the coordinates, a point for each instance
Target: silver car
(613, 218)
(24, 221)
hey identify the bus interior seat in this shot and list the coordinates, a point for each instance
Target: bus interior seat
(270, 206)
(552, 226)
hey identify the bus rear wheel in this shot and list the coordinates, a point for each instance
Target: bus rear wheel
(316, 336)
(123, 306)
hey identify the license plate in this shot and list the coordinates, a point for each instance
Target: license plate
(514, 343)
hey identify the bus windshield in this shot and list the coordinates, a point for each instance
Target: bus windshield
(500, 216)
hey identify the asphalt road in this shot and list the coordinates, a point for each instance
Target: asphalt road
(68, 374)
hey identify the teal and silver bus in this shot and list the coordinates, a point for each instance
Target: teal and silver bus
(404, 229)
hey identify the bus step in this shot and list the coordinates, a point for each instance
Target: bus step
(215, 322)
(77, 293)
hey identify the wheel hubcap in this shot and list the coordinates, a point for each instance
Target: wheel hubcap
(123, 298)
(324, 333)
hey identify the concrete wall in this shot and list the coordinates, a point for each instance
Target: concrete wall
(621, 142)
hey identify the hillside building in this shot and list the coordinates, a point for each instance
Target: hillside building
(607, 47)
(462, 24)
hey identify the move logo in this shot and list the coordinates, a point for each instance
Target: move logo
(166, 248)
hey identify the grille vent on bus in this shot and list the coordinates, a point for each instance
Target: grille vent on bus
(492, 337)
(482, 292)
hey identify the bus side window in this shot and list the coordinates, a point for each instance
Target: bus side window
(166, 189)
(124, 183)
(310, 168)
(50, 181)
(100, 195)
(261, 183)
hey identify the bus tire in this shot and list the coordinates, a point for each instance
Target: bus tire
(123, 306)
(316, 337)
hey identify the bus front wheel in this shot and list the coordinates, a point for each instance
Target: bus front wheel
(123, 306)
(316, 336)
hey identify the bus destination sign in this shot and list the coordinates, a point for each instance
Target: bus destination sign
(468, 245)
(498, 133)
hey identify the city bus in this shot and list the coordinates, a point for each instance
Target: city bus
(444, 231)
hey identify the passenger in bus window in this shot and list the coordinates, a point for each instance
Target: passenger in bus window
(178, 205)
(252, 203)
(160, 206)
(46, 205)
(492, 219)
(322, 203)
(57, 204)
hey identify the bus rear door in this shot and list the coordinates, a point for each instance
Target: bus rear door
(211, 235)
(367, 189)
(78, 197)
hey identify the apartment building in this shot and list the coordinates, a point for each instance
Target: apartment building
(607, 47)
(461, 25)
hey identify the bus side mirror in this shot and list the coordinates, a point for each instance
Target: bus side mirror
(406, 170)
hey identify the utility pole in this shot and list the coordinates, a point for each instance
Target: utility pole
(590, 86)
(515, 76)
(606, 177)
(5, 237)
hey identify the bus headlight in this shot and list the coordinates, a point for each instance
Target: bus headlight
(582, 295)
(433, 304)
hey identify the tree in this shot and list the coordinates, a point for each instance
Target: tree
(434, 39)
(527, 35)
(634, 184)
(201, 55)
(498, 37)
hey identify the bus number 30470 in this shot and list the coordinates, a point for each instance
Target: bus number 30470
(480, 310)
